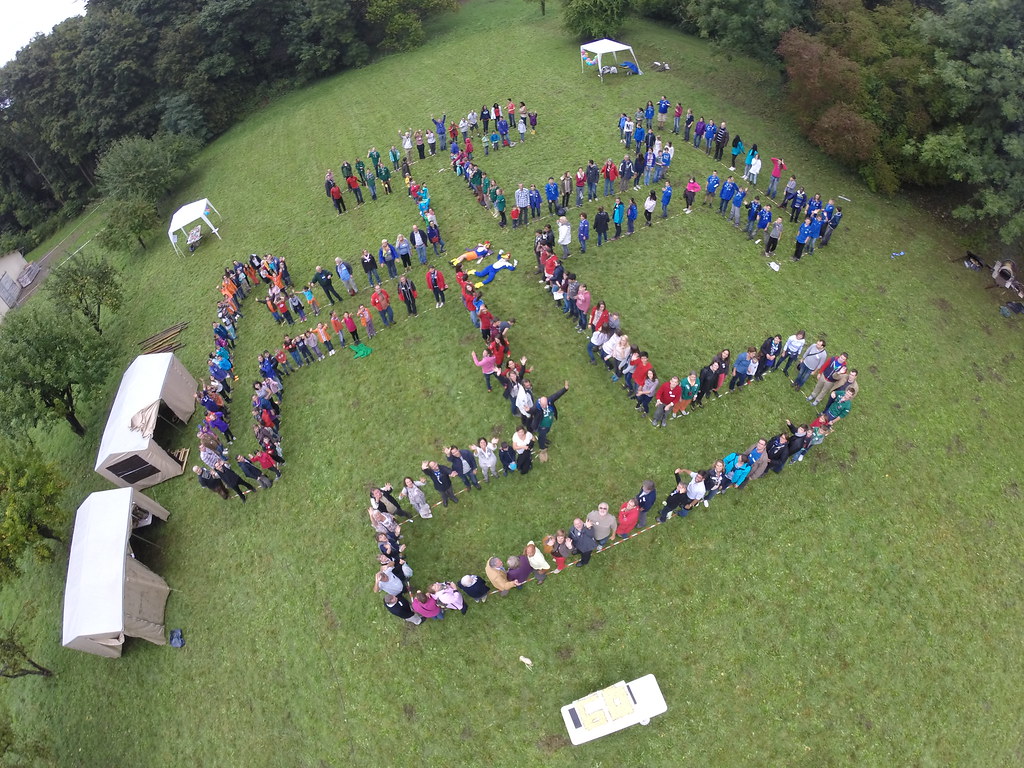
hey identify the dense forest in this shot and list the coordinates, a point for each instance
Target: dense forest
(907, 94)
(139, 67)
(924, 93)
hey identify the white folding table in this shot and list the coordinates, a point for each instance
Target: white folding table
(614, 708)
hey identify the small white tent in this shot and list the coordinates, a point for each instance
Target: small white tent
(128, 455)
(189, 214)
(109, 594)
(600, 48)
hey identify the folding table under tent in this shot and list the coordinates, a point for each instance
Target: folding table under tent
(109, 595)
(189, 214)
(601, 48)
(129, 455)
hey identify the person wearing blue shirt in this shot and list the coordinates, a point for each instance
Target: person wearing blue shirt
(728, 190)
(551, 192)
(638, 134)
(833, 222)
(817, 223)
(737, 206)
(709, 136)
(666, 198)
(813, 205)
(712, 188)
(535, 201)
(583, 233)
(649, 166)
(631, 214)
(666, 161)
(798, 203)
(386, 257)
(764, 218)
(755, 209)
(618, 214)
(442, 134)
(649, 114)
(801, 239)
(663, 106)
(622, 126)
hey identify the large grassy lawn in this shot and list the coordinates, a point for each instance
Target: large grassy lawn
(863, 608)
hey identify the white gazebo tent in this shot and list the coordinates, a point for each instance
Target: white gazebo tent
(129, 455)
(603, 47)
(189, 214)
(109, 594)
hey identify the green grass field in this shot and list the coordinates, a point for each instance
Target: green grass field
(863, 608)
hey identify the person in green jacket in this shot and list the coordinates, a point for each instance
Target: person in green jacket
(839, 409)
(374, 156)
(361, 171)
(346, 169)
(384, 174)
(689, 388)
(485, 187)
(499, 206)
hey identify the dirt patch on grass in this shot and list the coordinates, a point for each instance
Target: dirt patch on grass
(1012, 490)
(330, 617)
(409, 711)
(873, 370)
(987, 329)
(552, 743)
(673, 284)
(596, 625)
(467, 733)
(955, 446)
(979, 376)
(412, 341)
(943, 304)
(564, 653)
(883, 290)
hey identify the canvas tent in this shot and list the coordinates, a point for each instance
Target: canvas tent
(109, 594)
(189, 214)
(153, 387)
(597, 50)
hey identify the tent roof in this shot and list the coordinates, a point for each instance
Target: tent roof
(94, 593)
(187, 214)
(604, 45)
(145, 383)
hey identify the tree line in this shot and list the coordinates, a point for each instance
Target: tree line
(907, 93)
(142, 67)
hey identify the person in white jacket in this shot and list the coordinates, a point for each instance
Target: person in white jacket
(755, 168)
(564, 235)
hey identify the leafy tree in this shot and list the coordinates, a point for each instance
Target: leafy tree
(127, 222)
(595, 18)
(45, 363)
(87, 284)
(136, 168)
(31, 491)
(979, 62)
(15, 660)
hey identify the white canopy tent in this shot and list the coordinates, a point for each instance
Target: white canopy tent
(602, 48)
(128, 455)
(189, 214)
(109, 594)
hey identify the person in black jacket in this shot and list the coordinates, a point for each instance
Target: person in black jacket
(778, 452)
(770, 349)
(253, 472)
(464, 465)
(231, 479)
(799, 441)
(708, 380)
(677, 499)
(323, 277)
(208, 480)
(601, 225)
(442, 479)
(583, 540)
(400, 607)
(407, 292)
(543, 415)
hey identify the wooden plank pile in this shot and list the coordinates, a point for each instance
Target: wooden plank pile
(165, 341)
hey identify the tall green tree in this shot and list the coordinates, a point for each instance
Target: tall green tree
(595, 18)
(46, 362)
(31, 492)
(136, 168)
(979, 62)
(87, 283)
(127, 222)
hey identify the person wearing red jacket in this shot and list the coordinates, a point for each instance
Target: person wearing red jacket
(486, 320)
(353, 184)
(436, 283)
(639, 374)
(598, 316)
(668, 395)
(381, 301)
(629, 513)
(265, 460)
(610, 172)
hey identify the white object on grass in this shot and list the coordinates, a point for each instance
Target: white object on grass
(613, 709)
(845, 198)
(774, 265)
(526, 661)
